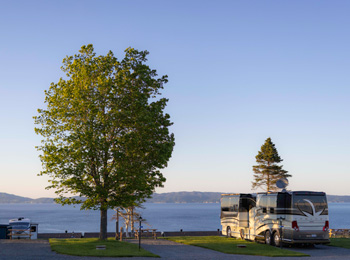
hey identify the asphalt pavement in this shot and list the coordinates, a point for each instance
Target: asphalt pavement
(40, 250)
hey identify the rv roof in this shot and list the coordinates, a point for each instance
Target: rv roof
(240, 194)
(309, 192)
(19, 220)
(297, 192)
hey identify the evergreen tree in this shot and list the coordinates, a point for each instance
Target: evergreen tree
(267, 172)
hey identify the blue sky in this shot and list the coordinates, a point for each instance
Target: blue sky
(239, 72)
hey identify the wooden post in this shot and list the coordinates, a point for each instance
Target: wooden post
(121, 233)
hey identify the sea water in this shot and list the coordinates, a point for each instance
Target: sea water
(53, 218)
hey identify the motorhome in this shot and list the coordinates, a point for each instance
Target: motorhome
(20, 228)
(275, 217)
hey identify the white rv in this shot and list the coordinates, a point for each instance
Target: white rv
(290, 217)
(20, 228)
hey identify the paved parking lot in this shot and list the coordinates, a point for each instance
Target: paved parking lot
(40, 250)
(171, 250)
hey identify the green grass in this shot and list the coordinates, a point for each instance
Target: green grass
(87, 247)
(229, 246)
(340, 242)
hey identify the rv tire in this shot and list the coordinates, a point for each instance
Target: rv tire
(228, 232)
(268, 237)
(276, 238)
(241, 233)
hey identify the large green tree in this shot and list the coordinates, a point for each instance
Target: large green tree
(268, 170)
(105, 133)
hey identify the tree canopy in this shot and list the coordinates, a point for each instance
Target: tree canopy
(267, 172)
(105, 133)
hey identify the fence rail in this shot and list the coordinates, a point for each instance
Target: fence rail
(339, 233)
(19, 233)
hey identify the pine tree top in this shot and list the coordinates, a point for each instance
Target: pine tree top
(268, 153)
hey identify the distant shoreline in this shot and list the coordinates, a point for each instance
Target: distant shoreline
(182, 197)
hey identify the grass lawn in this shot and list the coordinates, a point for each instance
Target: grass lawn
(229, 246)
(340, 242)
(87, 247)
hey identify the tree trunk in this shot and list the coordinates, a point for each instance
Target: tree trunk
(127, 229)
(268, 177)
(132, 221)
(103, 224)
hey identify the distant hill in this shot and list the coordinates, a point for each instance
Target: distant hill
(186, 197)
(214, 197)
(10, 198)
(336, 198)
(170, 197)
(43, 200)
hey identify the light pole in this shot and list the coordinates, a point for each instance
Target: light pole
(140, 232)
(117, 225)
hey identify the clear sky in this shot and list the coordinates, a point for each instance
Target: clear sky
(239, 72)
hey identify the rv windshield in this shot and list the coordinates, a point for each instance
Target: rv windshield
(311, 204)
(20, 225)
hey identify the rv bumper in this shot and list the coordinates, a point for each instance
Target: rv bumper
(306, 237)
(306, 241)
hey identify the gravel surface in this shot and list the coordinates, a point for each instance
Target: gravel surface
(40, 250)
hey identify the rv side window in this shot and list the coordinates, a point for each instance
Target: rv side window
(284, 200)
(267, 201)
(271, 201)
(225, 204)
(246, 203)
(234, 204)
(229, 204)
(263, 202)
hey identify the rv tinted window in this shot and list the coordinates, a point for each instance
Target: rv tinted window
(311, 204)
(21, 225)
(229, 203)
(246, 203)
(284, 200)
(225, 203)
(234, 204)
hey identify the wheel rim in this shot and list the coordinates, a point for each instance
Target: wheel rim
(228, 232)
(277, 239)
(268, 238)
(242, 233)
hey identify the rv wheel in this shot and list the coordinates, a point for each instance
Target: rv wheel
(228, 232)
(268, 237)
(277, 239)
(241, 233)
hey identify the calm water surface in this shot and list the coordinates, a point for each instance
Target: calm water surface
(163, 216)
